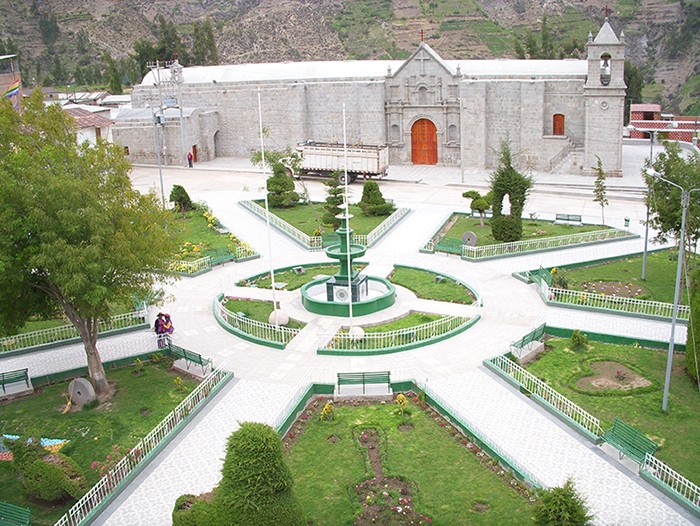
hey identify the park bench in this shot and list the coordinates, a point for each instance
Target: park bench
(11, 515)
(364, 379)
(219, 256)
(11, 377)
(629, 441)
(568, 219)
(190, 357)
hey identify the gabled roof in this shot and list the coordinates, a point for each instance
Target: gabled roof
(86, 119)
(423, 47)
(606, 35)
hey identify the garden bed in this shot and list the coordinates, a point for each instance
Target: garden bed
(307, 218)
(425, 285)
(258, 310)
(373, 465)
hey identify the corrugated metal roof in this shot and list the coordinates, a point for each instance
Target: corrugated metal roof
(86, 119)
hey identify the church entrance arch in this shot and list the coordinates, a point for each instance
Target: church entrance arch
(424, 142)
(217, 144)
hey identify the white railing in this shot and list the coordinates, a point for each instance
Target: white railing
(478, 433)
(540, 389)
(188, 267)
(311, 243)
(385, 225)
(244, 251)
(257, 329)
(69, 332)
(294, 400)
(545, 243)
(396, 338)
(676, 482)
(614, 303)
(109, 482)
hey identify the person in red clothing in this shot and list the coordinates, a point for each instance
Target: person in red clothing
(189, 159)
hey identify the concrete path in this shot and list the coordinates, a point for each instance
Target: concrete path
(269, 378)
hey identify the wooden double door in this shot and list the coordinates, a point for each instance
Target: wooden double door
(424, 142)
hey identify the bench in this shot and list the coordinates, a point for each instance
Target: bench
(629, 441)
(568, 219)
(178, 353)
(219, 256)
(11, 515)
(383, 377)
(11, 377)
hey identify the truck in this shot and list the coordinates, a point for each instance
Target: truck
(323, 159)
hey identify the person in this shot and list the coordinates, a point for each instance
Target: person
(167, 328)
(189, 159)
(158, 326)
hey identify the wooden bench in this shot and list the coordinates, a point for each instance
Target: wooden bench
(11, 515)
(568, 219)
(383, 377)
(629, 441)
(178, 353)
(11, 377)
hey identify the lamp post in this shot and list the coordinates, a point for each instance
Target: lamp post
(685, 201)
(159, 119)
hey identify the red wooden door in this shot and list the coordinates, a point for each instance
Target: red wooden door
(424, 142)
(558, 124)
(194, 153)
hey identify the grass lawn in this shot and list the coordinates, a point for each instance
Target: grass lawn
(256, 310)
(307, 218)
(139, 404)
(677, 432)
(410, 320)
(449, 477)
(531, 230)
(659, 285)
(197, 233)
(294, 280)
(422, 283)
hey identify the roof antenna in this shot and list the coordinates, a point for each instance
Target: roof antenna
(421, 35)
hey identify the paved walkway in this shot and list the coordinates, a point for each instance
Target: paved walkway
(268, 377)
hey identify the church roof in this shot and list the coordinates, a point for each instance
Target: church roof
(606, 35)
(369, 70)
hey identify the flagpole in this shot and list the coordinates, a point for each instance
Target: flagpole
(347, 220)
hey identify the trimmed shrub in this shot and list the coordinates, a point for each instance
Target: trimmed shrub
(334, 198)
(579, 340)
(562, 507)
(506, 180)
(506, 228)
(181, 198)
(373, 202)
(191, 510)
(280, 188)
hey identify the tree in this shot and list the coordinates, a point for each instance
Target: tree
(57, 71)
(48, 26)
(479, 203)
(169, 43)
(280, 189)
(506, 180)
(372, 202)
(144, 53)
(562, 506)
(181, 198)
(692, 343)
(547, 46)
(634, 80)
(599, 188)
(113, 75)
(75, 237)
(334, 198)
(203, 44)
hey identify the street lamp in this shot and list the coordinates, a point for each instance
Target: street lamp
(159, 120)
(685, 201)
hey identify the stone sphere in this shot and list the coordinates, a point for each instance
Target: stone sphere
(356, 333)
(277, 317)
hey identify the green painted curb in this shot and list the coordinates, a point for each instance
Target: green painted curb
(244, 335)
(314, 389)
(668, 490)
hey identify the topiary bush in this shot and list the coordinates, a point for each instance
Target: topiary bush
(181, 198)
(256, 487)
(562, 506)
(506, 180)
(579, 340)
(280, 188)
(373, 202)
(50, 477)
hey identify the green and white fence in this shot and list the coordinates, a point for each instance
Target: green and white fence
(555, 295)
(538, 388)
(204, 263)
(372, 341)
(66, 333)
(265, 332)
(675, 483)
(315, 243)
(546, 243)
(147, 446)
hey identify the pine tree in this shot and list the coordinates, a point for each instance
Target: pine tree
(599, 188)
(334, 198)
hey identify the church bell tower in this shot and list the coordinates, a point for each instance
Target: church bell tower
(604, 94)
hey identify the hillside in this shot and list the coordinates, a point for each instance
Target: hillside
(661, 34)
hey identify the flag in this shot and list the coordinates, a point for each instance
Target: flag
(12, 90)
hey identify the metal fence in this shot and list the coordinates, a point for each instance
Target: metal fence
(673, 481)
(540, 389)
(69, 332)
(386, 225)
(146, 446)
(545, 243)
(188, 267)
(257, 329)
(396, 338)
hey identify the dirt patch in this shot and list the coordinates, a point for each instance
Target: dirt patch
(611, 375)
(405, 428)
(613, 288)
(144, 411)
(479, 506)
(333, 439)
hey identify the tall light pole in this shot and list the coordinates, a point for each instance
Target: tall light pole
(685, 202)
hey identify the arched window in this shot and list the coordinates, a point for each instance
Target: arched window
(558, 124)
(605, 69)
(423, 95)
(452, 133)
(394, 133)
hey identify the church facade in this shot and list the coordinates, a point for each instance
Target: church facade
(557, 115)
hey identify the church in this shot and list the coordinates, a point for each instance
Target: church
(558, 115)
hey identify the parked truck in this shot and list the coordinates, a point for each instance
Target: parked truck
(323, 159)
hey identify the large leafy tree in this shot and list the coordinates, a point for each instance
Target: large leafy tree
(75, 237)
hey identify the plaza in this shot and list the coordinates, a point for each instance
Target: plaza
(266, 380)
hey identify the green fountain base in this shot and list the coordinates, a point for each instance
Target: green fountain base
(382, 295)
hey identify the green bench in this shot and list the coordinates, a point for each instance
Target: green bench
(568, 219)
(11, 515)
(219, 256)
(383, 377)
(12, 377)
(190, 357)
(629, 441)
